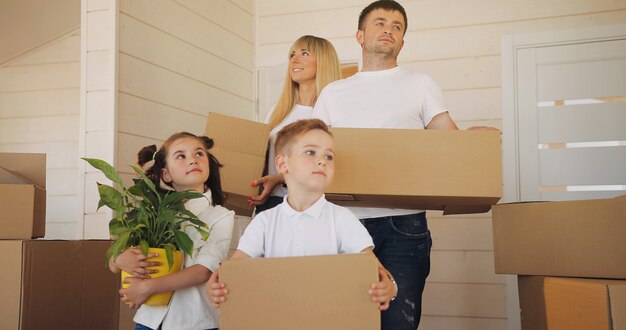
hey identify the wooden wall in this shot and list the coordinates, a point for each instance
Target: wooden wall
(458, 44)
(39, 112)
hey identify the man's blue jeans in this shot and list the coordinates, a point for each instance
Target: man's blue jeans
(402, 244)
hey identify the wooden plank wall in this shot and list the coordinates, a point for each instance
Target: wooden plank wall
(39, 112)
(174, 69)
(458, 43)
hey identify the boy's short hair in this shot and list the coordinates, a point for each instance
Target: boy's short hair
(388, 5)
(288, 134)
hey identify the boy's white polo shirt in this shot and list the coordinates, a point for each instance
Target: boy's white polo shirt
(322, 229)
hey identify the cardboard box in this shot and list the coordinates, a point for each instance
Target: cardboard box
(319, 292)
(22, 195)
(575, 238)
(559, 303)
(240, 146)
(454, 171)
(57, 285)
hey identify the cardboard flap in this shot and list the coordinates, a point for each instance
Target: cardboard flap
(31, 167)
(9, 177)
(617, 296)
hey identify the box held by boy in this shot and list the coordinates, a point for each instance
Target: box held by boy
(454, 171)
(585, 238)
(54, 284)
(315, 292)
(22, 195)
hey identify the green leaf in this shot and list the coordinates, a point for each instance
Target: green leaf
(183, 242)
(169, 254)
(143, 245)
(145, 179)
(116, 228)
(108, 170)
(110, 197)
(175, 197)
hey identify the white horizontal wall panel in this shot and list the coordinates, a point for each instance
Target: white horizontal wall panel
(138, 40)
(236, 18)
(189, 26)
(163, 86)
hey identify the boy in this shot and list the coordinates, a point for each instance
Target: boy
(305, 223)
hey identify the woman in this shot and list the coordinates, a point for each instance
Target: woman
(313, 64)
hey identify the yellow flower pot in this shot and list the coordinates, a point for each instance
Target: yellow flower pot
(161, 299)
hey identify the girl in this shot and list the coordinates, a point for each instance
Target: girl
(182, 163)
(313, 64)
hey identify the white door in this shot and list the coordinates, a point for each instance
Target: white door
(567, 120)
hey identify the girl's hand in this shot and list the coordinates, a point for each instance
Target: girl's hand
(216, 290)
(269, 182)
(384, 290)
(134, 262)
(137, 292)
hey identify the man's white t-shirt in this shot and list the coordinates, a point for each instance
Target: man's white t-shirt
(393, 98)
(322, 229)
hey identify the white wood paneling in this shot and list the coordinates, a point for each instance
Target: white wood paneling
(467, 323)
(66, 49)
(39, 77)
(99, 32)
(188, 60)
(246, 5)
(466, 300)
(39, 103)
(99, 77)
(463, 267)
(177, 91)
(142, 116)
(193, 28)
(226, 14)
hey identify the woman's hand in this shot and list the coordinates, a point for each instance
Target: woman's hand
(269, 182)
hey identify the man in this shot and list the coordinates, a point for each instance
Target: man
(384, 95)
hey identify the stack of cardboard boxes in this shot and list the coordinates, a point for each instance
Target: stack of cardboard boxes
(47, 284)
(453, 171)
(570, 258)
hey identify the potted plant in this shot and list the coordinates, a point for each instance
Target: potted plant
(150, 218)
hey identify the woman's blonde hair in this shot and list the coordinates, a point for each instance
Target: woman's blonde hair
(327, 71)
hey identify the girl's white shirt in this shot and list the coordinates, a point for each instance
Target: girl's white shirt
(190, 308)
(298, 112)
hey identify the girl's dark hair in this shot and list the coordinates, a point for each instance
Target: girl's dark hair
(151, 153)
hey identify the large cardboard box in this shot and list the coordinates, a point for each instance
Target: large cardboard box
(22, 195)
(240, 145)
(319, 292)
(48, 284)
(559, 303)
(574, 238)
(454, 171)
